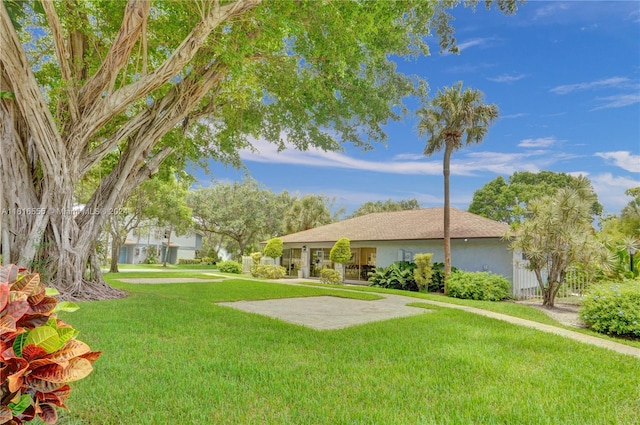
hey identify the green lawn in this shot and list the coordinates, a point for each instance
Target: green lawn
(171, 356)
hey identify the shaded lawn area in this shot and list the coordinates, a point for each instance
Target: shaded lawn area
(172, 356)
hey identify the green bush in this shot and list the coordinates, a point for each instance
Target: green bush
(398, 275)
(208, 260)
(437, 277)
(332, 276)
(478, 286)
(189, 260)
(613, 308)
(341, 251)
(230, 267)
(255, 257)
(268, 271)
(152, 256)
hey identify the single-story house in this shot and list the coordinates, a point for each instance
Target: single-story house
(380, 239)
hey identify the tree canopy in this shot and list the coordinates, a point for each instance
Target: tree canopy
(386, 206)
(507, 201)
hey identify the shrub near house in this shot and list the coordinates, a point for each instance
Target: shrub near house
(613, 308)
(478, 286)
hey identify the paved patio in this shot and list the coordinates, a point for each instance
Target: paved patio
(327, 312)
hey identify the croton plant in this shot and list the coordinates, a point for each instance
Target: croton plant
(39, 353)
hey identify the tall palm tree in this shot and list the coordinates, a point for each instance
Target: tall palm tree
(455, 117)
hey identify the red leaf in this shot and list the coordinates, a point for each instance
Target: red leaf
(8, 273)
(48, 413)
(32, 352)
(17, 308)
(56, 397)
(42, 385)
(37, 297)
(4, 294)
(33, 320)
(45, 306)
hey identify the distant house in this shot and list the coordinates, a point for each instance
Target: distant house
(136, 248)
(379, 239)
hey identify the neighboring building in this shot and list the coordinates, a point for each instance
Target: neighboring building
(379, 239)
(136, 248)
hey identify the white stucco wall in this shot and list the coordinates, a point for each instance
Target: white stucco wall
(470, 255)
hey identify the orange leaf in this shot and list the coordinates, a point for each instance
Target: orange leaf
(45, 306)
(28, 283)
(72, 348)
(78, 368)
(92, 356)
(7, 324)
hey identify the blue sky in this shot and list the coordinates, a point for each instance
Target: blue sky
(566, 79)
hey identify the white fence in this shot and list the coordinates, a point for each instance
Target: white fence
(525, 285)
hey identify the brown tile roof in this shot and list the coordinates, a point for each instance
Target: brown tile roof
(403, 225)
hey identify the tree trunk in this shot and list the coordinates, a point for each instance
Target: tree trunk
(116, 246)
(447, 220)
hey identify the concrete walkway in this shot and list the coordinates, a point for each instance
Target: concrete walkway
(402, 301)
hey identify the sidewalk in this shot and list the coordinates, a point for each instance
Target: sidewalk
(400, 300)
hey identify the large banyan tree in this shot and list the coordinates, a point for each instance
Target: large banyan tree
(153, 81)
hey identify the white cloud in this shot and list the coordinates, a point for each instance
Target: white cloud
(479, 42)
(540, 142)
(506, 78)
(518, 115)
(610, 190)
(462, 163)
(623, 159)
(618, 82)
(550, 9)
(618, 101)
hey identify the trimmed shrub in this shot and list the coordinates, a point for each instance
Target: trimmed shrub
(273, 248)
(478, 286)
(230, 267)
(208, 261)
(332, 276)
(422, 273)
(613, 308)
(398, 275)
(40, 353)
(189, 260)
(268, 271)
(341, 251)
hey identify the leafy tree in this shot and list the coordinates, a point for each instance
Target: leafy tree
(630, 214)
(386, 206)
(507, 201)
(243, 212)
(558, 235)
(183, 81)
(454, 118)
(308, 212)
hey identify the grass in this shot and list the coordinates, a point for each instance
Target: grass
(172, 356)
(505, 307)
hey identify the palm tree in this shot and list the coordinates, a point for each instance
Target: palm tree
(455, 116)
